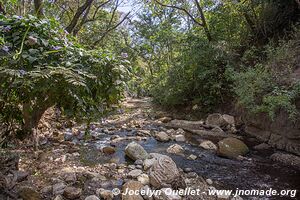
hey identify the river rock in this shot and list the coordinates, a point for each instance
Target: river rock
(175, 149)
(135, 173)
(46, 190)
(105, 194)
(232, 148)
(132, 185)
(287, 159)
(138, 162)
(162, 137)
(72, 192)
(92, 197)
(58, 197)
(145, 192)
(148, 163)
(136, 152)
(28, 193)
(192, 157)
(163, 171)
(229, 119)
(108, 150)
(209, 181)
(209, 145)
(70, 177)
(216, 119)
(58, 188)
(179, 138)
(144, 179)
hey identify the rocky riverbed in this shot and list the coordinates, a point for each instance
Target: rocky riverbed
(142, 148)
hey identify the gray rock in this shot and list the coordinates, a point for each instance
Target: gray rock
(216, 119)
(192, 157)
(209, 181)
(72, 192)
(143, 178)
(138, 162)
(105, 194)
(179, 138)
(175, 149)
(136, 151)
(162, 137)
(46, 190)
(58, 197)
(229, 119)
(192, 175)
(148, 163)
(58, 188)
(70, 177)
(163, 171)
(92, 197)
(209, 145)
(135, 173)
(145, 192)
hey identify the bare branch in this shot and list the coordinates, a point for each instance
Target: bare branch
(182, 9)
(110, 29)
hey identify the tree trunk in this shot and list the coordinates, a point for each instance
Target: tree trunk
(77, 15)
(2, 9)
(38, 7)
(203, 19)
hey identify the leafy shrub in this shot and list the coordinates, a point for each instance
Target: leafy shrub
(42, 66)
(269, 87)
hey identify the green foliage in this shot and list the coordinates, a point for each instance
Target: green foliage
(42, 66)
(270, 86)
(198, 76)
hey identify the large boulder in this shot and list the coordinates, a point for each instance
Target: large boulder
(136, 152)
(132, 186)
(164, 172)
(232, 148)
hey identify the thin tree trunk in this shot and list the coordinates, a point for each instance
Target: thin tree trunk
(77, 15)
(2, 9)
(38, 7)
(203, 19)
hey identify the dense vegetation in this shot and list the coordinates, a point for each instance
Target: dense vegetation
(202, 54)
